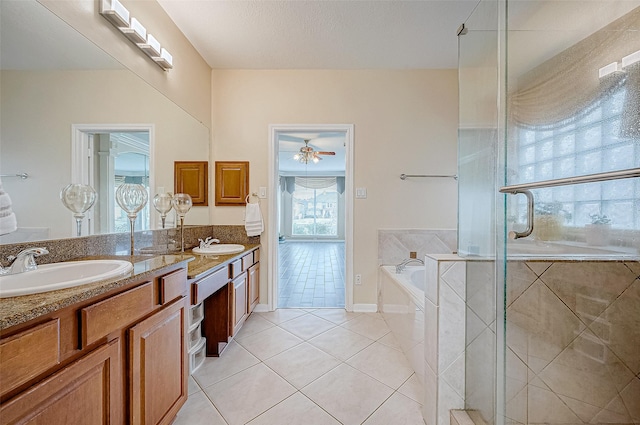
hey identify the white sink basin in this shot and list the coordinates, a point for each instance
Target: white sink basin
(51, 277)
(219, 249)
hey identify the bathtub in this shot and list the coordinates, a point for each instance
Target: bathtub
(401, 301)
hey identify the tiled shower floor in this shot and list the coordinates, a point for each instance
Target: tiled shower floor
(311, 274)
(306, 366)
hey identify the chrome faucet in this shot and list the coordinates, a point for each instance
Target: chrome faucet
(207, 242)
(400, 267)
(25, 261)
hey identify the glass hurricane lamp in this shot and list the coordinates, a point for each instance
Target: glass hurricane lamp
(162, 202)
(78, 198)
(182, 203)
(131, 198)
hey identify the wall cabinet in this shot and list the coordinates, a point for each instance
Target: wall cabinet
(85, 392)
(232, 182)
(96, 362)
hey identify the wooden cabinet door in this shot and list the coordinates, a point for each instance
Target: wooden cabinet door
(253, 286)
(158, 369)
(238, 302)
(88, 391)
(232, 182)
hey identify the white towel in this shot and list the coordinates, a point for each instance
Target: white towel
(253, 220)
(8, 221)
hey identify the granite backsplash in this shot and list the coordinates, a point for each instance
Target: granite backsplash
(161, 241)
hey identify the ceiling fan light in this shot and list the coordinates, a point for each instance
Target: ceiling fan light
(296, 157)
(316, 159)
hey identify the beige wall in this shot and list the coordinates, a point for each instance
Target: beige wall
(405, 122)
(187, 84)
(38, 109)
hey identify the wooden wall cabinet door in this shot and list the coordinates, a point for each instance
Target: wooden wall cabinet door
(88, 391)
(192, 177)
(158, 367)
(238, 303)
(253, 286)
(232, 183)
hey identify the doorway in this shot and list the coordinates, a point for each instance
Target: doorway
(310, 239)
(105, 157)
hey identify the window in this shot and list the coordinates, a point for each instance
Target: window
(315, 211)
(589, 143)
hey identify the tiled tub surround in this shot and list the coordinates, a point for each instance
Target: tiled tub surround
(402, 306)
(444, 340)
(573, 342)
(157, 241)
(394, 245)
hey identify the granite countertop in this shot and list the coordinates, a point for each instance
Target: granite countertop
(203, 264)
(17, 310)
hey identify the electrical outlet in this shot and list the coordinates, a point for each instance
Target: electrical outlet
(358, 279)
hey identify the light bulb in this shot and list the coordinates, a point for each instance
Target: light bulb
(316, 159)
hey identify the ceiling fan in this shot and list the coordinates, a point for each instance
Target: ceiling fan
(307, 154)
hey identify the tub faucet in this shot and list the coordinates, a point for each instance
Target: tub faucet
(400, 267)
(25, 261)
(207, 242)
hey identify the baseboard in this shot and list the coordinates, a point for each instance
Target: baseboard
(365, 308)
(261, 308)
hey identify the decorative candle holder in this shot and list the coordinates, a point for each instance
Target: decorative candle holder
(131, 198)
(182, 203)
(78, 198)
(162, 202)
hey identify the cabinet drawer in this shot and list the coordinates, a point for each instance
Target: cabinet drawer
(117, 312)
(207, 286)
(173, 285)
(235, 269)
(247, 261)
(28, 354)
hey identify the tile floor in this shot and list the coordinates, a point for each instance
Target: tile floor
(306, 366)
(311, 274)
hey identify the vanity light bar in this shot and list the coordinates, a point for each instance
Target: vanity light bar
(115, 12)
(631, 59)
(151, 46)
(136, 32)
(165, 59)
(608, 69)
(119, 16)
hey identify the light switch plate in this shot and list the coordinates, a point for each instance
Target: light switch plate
(361, 192)
(262, 192)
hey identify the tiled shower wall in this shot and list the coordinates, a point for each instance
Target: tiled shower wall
(394, 245)
(573, 342)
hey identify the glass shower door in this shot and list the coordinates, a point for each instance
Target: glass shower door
(478, 141)
(571, 288)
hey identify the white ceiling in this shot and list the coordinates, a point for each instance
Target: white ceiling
(290, 143)
(322, 34)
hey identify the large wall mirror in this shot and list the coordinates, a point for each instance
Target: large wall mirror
(61, 94)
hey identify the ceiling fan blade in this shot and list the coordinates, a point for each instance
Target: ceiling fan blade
(325, 153)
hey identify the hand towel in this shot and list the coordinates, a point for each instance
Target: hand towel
(253, 220)
(8, 221)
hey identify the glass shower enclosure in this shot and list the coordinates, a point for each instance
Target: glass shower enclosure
(549, 140)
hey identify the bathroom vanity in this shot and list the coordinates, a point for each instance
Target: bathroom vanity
(226, 288)
(120, 351)
(110, 352)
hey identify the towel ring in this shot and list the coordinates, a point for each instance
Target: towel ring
(247, 199)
